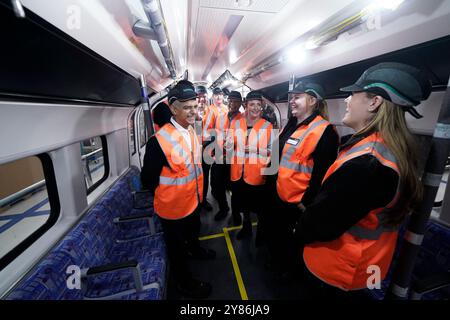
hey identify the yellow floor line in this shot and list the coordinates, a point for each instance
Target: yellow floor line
(212, 236)
(254, 224)
(237, 272)
(233, 228)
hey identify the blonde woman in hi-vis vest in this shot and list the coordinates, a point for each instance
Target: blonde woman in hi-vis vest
(352, 225)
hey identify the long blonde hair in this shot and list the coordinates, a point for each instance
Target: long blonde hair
(390, 122)
(321, 107)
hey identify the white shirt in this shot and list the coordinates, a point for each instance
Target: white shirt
(184, 132)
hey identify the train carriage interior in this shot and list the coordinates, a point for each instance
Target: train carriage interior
(79, 80)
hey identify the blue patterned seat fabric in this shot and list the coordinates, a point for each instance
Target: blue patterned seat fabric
(433, 258)
(93, 242)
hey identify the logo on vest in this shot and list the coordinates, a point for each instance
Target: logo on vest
(374, 280)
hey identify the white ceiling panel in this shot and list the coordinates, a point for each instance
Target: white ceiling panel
(208, 28)
(208, 36)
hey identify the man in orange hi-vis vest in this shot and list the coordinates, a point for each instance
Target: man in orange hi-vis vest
(172, 171)
(214, 129)
(203, 111)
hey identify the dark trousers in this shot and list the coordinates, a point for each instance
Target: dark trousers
(282, 217)
(247, 198)
(205, 167)
(181, 236)
(220, 175)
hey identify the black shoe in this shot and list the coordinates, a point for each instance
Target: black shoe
(237, 219)
(202, 254)
(245, 232)
(194, 289)
(220, 215)
(207, 206)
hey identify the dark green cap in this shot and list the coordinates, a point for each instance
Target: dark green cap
(399, 83)
(234, 95)
(201, 89)
(253, 95)
(313, 89)
(183, 91)
(217, 90)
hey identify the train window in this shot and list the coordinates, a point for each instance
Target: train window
(95, 163)
(132, 135)
(29, 204)
(143, 136)
(271, 113)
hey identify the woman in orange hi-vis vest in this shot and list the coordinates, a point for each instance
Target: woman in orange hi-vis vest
(349, 231)
(172, 172)
(307, 145)
(249, 138)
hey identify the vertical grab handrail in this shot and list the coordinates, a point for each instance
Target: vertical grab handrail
(431, 178)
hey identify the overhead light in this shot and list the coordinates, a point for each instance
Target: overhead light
(242, 3)
(311, 44)
(226, 79)
(233, 57)
(327, 31)
(230, 82)
(296, 54)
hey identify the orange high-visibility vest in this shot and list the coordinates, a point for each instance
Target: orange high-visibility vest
(347, 262)
(296, 163)
(215, 122)
(180, 188)
(250, 165)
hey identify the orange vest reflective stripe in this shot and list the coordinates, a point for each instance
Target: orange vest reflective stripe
(216, 123)
(180, 188)
(296, 163)
(250, 164)
(345, 262)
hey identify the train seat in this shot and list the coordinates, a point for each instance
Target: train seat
(431, 277)
(111, 267)
(433, 261)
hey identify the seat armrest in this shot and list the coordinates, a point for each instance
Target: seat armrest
(135, 217)
(130, 264)
(139, 217)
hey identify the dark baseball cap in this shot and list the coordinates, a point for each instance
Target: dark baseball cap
(201, 89)
(313, 89)
(254, 95)
(183, 91)
(217, 90)
(234, 95)
(399, 83)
